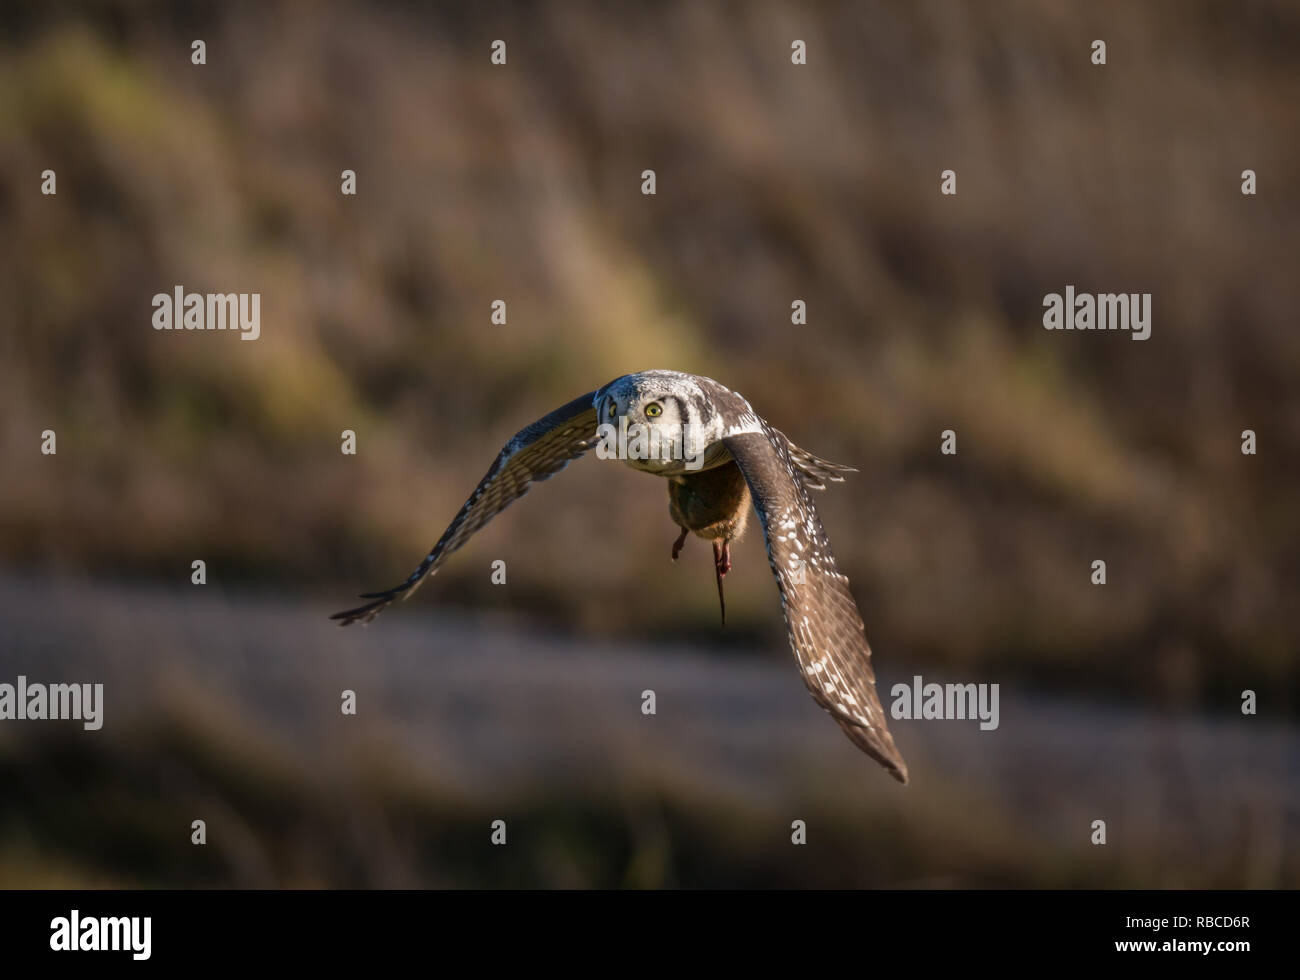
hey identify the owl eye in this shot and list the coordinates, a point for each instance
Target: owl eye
(654, 410)
(612, 409)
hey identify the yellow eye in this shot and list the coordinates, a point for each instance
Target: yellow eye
(653, 410)
(612, 409)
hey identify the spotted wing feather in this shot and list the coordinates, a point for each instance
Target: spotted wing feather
(535, 453)
(813, 470)
(822, 620)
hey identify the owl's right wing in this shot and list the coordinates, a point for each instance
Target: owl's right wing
(536, 453)
(821, 618)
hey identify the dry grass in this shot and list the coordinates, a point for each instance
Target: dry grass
(818, 183)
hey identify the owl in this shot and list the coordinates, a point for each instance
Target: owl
(718, 457)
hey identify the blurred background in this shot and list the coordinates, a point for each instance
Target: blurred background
(522, 182)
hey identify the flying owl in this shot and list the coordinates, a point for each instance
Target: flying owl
(717, 455)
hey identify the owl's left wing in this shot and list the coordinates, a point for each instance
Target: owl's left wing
(535, 453)
(813, 470)
(822, 620)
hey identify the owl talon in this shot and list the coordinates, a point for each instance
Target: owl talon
(677, 545)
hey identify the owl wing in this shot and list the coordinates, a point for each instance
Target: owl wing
(821, 618)
(535, 453)
(815, 471)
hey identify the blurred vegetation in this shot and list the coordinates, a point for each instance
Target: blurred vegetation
(775, 183)
(89, 812)
(225, 708)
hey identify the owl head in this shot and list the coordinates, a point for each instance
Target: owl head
(654, 421)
